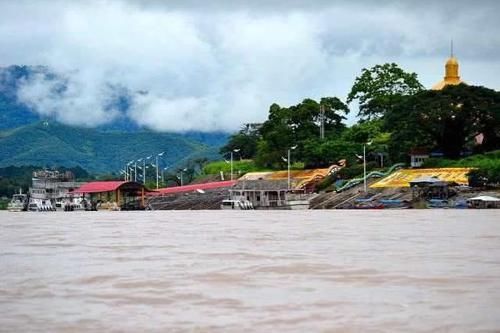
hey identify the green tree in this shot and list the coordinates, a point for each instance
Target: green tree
(447, 120)
(323, 153)
(380, 88)
(245, 140)
(295, 125)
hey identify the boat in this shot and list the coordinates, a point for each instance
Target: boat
(18, 203)
(236, 204)
(438, 203)
(40, 205)
(51, 190)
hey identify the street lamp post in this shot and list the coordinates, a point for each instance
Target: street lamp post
(157, 175)
(182, 170)
(288, 160)
(129, 170)
(144, 169)
(135, 167)
(135, 172)
(234, 150)
(163, 175)
(364, 164)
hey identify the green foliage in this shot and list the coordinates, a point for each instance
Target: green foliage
(474, 161)
(326, 183)
(297, 125)
(485, 175)
(323, 153)
(240, 167)
(365, 131)
(355, 170)
(99, 152)
(447, 120)
(245, 141)
(4, 203)
(379, 89)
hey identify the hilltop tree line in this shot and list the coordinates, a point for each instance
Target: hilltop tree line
(396, 114)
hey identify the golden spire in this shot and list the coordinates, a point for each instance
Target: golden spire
(451, 74)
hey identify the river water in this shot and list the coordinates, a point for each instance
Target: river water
(250, 271)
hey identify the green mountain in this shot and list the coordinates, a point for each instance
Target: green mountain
(53, 144)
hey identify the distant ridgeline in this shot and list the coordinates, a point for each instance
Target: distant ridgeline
(53, 145)
(27, 139)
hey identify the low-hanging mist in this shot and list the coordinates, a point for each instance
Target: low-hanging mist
(191, 66)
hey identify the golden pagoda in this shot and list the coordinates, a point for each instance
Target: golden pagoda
(451, 73)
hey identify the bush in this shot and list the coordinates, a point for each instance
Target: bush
(242, 167)
(486, 175)
(355, 171)
(325, 183)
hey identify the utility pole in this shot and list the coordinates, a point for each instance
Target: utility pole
(322, 121)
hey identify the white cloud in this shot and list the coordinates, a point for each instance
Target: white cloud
(214, 67)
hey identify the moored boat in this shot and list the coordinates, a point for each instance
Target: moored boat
(18, 203)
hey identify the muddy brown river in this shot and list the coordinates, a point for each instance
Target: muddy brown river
(250, 271)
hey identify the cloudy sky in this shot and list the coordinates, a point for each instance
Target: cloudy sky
(213, 65)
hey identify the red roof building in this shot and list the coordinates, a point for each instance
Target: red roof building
(96, 187)
(124, 194)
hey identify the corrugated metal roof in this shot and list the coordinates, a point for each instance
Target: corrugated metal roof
(262, 185)
(275, 180)
(95, 187)
(193, 187)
